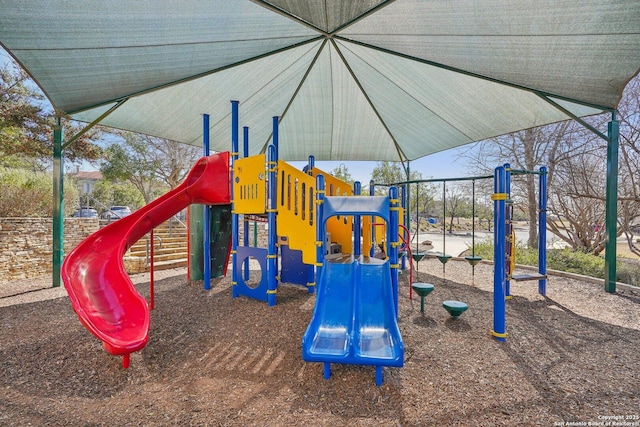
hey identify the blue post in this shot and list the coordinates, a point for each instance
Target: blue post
(276, 136)
(206, 215)
(320, 244)
(542, 230)
(357, 247)
(508, 227)
(372, 192)
(234, 216)
(499, 292)
(392, 238)
(245, 222)
(272, 250)
(311, 164)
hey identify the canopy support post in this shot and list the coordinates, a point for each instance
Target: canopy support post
(58, 202)
(611, 205)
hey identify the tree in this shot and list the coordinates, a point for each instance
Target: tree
(454, 203)
(527, 150)
(148, 162)
(420, 194)
(629, 165)
(26, 126)
(107, 193)
(342, 172)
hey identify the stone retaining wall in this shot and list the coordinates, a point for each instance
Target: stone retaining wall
(26, 244)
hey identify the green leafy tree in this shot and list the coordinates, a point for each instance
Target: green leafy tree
(150, 164)
(106, 193)
(342, 172)
(26, 126)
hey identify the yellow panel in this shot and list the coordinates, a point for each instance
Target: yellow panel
(250, 185)
(296, 210)
(379, 230)
(366, 235)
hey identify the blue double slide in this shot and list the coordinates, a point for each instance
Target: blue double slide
(354, 320)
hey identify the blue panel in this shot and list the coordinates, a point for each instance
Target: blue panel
(260, 254)
(373, 205)
(293, 269)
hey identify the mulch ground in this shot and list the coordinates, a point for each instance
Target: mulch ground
(573, 356)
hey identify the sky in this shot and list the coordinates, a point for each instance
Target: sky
(445, 164)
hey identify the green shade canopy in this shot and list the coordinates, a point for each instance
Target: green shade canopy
(351, 80)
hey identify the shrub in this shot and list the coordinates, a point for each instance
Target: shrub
(627, 271)
(30, 194)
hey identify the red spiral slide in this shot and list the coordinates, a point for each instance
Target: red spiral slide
(100, 290)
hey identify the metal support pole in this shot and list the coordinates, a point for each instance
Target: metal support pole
(272, 249)
(372, 192)
(311, 164)
(507, 231)
(542, 230)
(320, 233)
(611, 217)
(234, 216)
(407, 214)
(206, 236)
(499, 292)
(245, 221)
(58, 202)
(357, 232)
(392, 238)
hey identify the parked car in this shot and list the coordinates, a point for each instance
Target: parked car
(116, 212)
(85, 213)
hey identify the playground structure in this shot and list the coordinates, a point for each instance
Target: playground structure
(325, 231)
(273, 191)
(504, 241)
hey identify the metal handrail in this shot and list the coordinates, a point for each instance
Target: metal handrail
(175, 217)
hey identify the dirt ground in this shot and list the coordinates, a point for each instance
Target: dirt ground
(212, 360)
